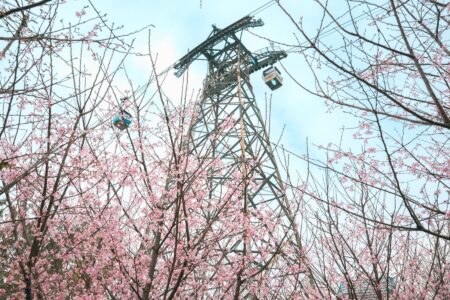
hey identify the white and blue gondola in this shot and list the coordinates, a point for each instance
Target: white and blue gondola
(122, 120)
(272, 78)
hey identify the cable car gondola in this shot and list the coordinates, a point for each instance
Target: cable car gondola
(272, 77)
(122, 120)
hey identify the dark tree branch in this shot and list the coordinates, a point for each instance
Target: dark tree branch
(22, 8)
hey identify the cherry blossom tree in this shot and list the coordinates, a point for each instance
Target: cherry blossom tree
(379, 215)
(57, 96)
(90, 211)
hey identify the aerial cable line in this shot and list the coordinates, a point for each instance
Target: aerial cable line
(335, 28)
(262, 8)
(162, 73)
(323, 34)
(268, 5)
(254, 13)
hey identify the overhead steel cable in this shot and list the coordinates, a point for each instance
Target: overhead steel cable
(270, 4)
(262, 8)
(323, 34)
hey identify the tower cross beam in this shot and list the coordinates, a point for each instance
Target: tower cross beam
(216, 37)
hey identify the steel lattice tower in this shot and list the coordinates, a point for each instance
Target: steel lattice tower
(229, 126)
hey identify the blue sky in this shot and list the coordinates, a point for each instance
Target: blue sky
(181, 25)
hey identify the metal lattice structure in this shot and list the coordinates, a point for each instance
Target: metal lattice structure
(229, 126)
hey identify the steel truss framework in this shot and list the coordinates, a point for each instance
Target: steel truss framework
(229, 126)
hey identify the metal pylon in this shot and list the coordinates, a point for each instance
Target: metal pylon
(230, 139)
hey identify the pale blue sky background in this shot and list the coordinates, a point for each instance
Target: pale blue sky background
(180, 25)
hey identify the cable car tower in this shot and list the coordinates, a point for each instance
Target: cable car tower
(230, 127)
